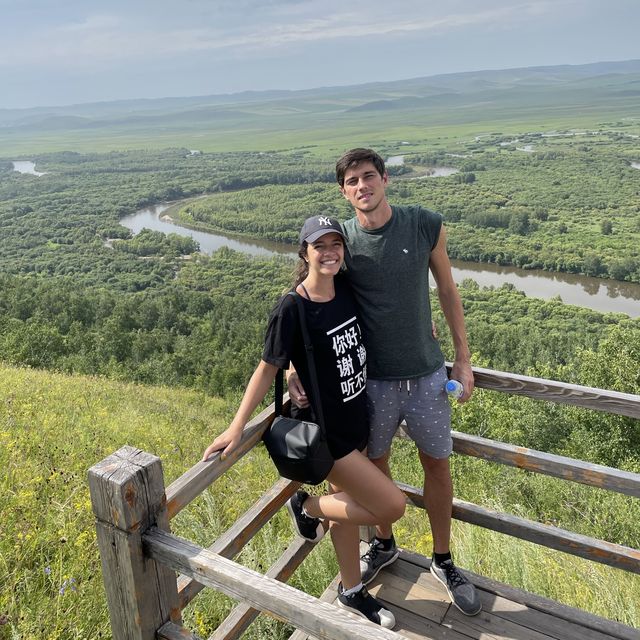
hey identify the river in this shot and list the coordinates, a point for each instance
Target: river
(26, 166)
(431, 172)
(594, 293)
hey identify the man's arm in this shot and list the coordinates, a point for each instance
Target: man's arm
(452, 308)
(297, 394)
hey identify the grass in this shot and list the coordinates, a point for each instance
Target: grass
(54, 427)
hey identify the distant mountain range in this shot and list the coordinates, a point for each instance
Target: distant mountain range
(574, 86)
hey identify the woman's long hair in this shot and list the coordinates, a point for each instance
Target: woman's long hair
(301, 270)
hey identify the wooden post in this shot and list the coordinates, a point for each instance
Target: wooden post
(128, 496)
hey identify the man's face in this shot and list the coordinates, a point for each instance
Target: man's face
(364, 187)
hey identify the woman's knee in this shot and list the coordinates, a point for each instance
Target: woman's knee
(393, 506)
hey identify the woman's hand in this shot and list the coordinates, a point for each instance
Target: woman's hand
(227, 441)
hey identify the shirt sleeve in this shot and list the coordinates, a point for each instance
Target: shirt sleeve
(430, 226)
(281, 333)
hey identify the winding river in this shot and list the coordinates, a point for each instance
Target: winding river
(594, 293)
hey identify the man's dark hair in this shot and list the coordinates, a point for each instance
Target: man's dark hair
(354, 157)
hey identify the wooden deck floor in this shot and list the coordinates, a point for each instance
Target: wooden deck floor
(423, 610)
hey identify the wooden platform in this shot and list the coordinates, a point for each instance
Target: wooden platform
(423, 610)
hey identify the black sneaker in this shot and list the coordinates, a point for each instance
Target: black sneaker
(363, 603)
(462, 593)
(306, 527)
(375, 559)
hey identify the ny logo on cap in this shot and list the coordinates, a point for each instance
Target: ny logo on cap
(324, 220)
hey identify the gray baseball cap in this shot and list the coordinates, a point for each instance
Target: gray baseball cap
(317, 226)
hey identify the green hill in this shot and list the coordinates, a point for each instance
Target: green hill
(369, 114)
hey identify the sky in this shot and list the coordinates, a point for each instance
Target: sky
(60, 52)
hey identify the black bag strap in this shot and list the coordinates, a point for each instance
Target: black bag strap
(315, 387)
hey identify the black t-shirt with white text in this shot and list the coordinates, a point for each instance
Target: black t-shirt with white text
(340, 359)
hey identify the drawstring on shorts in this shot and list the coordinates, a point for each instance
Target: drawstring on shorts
(408, 386)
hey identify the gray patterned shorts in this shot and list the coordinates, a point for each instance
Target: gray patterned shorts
(422, 403)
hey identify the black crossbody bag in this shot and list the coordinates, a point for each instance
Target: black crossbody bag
(299, 448)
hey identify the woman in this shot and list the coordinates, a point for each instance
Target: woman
(360, 494)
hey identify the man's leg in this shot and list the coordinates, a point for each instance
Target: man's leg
(438, 499)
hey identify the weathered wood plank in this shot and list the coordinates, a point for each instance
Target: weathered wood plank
(548, 614)
(594, 475)
(127, 494)
(613, 555)
(423, 596)
(280, 600)
(625, 404)
(195, 480)
(230, 543)
(238, 621)
(328, 595)
(171, 631)
(414, 627)
(118, 483)
(419, 597)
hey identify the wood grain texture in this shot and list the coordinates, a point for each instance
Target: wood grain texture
(625, 404)
(238, 621)
(551, 617)
(231, 542)
(127, 493)
(608, 553)
(549, 464)
(280, 600)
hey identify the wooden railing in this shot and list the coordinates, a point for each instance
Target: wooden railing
(140, 556)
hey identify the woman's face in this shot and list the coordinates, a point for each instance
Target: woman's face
(326, 254)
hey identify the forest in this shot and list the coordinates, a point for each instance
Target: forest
(116, 338)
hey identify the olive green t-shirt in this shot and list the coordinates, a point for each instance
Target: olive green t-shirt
(388, 269)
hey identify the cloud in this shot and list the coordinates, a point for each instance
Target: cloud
(111, 38)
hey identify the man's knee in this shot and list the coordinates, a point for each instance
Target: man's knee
(434, 467)
(382, 462)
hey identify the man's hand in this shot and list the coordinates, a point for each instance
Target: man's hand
(461, 371)
(297, 394)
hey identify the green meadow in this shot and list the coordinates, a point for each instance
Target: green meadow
(327, 120)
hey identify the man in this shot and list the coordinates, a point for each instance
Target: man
(390, 251)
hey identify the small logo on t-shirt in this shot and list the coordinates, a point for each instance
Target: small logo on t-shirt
(405, 251)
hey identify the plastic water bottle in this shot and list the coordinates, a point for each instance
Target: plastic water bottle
(454, 388)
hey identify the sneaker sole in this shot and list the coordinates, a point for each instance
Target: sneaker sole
(385, 626)
(453, 602)
(319, 529)
(382, 566)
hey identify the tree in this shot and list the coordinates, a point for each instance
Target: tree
(519, 223)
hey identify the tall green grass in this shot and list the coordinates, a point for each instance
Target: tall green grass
(54, 427)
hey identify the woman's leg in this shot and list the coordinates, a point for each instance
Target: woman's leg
(364, 495)
(346, 543)
(359, 494)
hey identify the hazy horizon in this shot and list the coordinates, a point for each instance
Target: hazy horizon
(84, 52)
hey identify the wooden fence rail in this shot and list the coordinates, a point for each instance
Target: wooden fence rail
(140, 556)
(625, 404)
